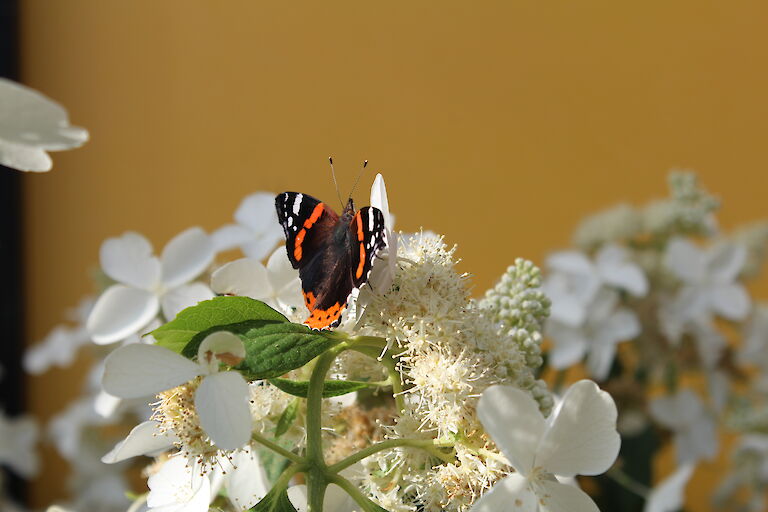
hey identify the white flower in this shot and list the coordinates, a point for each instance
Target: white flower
(221, 398)
(18, 437)
(668, 496)
(257, 230)
(277, 284)
(30, 125)
(147, 283)
(755, 348)
(694, 428)
(604, 327)
(177, 487)
(335, 499)
(383, 270)
(61, 343)
(708, 280)
(575, 280)
(580, 438)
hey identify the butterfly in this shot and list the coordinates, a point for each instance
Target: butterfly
(334, 254)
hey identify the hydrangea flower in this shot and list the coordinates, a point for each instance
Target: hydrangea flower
(669, 495)
(276, 284)
(256, 231)
(694, 428)
(221, 397)
(147, 284)
(580, 438)
(18, 437)
(30, 125)
(604, 327)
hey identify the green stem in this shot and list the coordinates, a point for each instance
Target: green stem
(277, 448)
(389, 362)
(432, 446)
(316, 481)
(352, 490)
(628, 482)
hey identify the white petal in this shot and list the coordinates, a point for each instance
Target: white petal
(582, 438)
(230, 236)
(685, 260)
(246, 277)
(709, 342)
(257, 212)
(730, 301)
(24, 158)
(177, 487)
(218, 344)
(622, 325)
(120, 312)
(139, 370)
(569, 347)
(129, 260)
(570, 262)
(600, 359)
(297, 494)
(182, 297)
(280, 270)
(677, 411)
(509, 495)
(144, 439)
(259, 248)
(290, 295)
(557, 497)
(669, 495)
(222, 404)
(614, 269)
(186, 256)
(105, 404)
(379, 199)
(725, 261)
(513, 420)
(247, 483)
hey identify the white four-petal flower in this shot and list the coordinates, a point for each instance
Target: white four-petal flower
(580, 438)
(695, 432)
(221, 399)
(147, 283)
(257, 229)
(30, 125)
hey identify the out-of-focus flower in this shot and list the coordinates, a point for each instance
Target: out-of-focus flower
(579, 439)
(61, 344)
(30, 125)
(604, 327)
(221, 398)
(669, 495)
(18, 437)
(277, 284)
(694, 428)
(257, 230)
(147, 283)
(708, 281)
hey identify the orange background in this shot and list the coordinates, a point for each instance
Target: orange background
(497, 123)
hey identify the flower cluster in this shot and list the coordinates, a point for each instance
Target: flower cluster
(651, 298)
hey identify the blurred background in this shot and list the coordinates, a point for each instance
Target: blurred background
(498, 124)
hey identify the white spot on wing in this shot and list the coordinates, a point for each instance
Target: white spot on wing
(370, 221)
(297, 203)
(290, 221)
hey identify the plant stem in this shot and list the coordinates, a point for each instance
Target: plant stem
(389, 362)
(628, 482)
(277, 448)
(432, 446)
(316, 480)
(352, 490)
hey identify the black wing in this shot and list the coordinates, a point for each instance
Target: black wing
(308, 224)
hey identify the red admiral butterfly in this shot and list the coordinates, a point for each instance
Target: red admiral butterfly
(333, 254)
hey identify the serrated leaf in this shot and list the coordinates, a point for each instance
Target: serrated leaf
(273, 349)
(219, 311)
(331, 388)
(275, 502)
(287, 418)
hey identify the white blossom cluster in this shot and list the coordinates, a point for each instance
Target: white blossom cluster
(653, 297)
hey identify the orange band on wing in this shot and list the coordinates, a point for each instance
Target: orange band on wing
(323, 318)
(298, 252)
(359, 220)
(361, 265)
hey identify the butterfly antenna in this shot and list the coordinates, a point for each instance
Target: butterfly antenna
(333, 173)
(365, 164)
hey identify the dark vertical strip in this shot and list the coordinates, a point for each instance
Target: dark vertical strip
(11, 296)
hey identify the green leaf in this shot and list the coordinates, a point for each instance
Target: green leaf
(219, 311)
(287, 418)
(275, 501)
(331, 388)
(273, 463)
(271, 350)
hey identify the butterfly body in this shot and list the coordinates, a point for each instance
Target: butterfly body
(334, 254)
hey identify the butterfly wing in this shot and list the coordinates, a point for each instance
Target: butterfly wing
(367, 234)
(308, 224)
